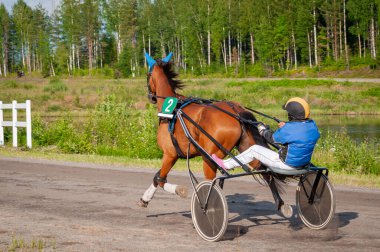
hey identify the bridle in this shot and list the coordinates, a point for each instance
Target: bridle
(151, 95)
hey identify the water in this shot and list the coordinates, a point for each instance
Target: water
(357, 127)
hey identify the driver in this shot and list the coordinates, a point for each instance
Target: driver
(298, 137)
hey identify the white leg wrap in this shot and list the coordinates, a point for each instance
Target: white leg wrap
(149, 193)
(170, 188)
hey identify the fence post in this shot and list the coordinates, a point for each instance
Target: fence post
(14, 123)
(28, 124)
(1, 124)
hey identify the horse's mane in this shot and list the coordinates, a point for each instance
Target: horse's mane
(171, 75)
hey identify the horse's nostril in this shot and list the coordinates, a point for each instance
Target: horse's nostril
(152, 98)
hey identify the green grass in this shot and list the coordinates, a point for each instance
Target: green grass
(114, 118)
(20, 244)
(81, 95)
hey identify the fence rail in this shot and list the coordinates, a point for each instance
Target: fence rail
(14, 106)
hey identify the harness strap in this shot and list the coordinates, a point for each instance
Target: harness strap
(176, 145)
(221, 147)
(171, 127)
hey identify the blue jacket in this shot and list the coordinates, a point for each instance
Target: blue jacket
(299, 139)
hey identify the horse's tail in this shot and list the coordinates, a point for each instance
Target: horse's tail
(249, 123)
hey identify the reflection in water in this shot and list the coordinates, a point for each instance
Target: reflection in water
(357, 127)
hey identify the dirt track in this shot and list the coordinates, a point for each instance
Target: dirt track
(93, 208)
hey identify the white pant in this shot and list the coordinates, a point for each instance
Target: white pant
(264, 155)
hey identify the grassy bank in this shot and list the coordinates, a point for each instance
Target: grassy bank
(112, 120)
(80, 96)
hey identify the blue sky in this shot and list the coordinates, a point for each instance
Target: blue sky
(49, 5)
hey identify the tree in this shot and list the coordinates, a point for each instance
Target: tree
(22, 17)
(4, 40)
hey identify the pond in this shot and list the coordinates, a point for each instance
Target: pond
(358, 127)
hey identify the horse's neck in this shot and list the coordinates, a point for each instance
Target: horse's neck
(164, 92)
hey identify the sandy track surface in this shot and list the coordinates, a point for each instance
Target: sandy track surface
(86, 207)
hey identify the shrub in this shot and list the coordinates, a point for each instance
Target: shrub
(256, 70)
(55, 85)
(338, 151)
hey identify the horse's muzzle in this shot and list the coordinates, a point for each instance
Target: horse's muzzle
(152, 98)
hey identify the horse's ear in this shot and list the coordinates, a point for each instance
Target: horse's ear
(151, 62)
(167, 58)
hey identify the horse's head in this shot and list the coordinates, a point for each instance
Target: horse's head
(160, 78)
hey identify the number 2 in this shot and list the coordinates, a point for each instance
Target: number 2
(167, 109)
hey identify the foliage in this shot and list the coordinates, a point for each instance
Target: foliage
(340, 153)
(226, 37)
(111, 130)
(55, 85)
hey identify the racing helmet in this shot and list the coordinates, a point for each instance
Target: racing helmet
(297, 108)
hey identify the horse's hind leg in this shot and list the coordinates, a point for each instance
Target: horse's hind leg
(285, 209)
(273, 187)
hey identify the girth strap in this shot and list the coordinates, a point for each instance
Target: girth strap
(176, 146)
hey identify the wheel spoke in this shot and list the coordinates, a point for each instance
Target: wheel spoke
(317, 214)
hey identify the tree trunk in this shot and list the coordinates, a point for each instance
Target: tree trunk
(72, 60)
(335, 32)
(345, 35)
(238, 49)
(295, 51)
(340, 40)
(252, 49)
(200, 39)
(163, 52)
(224, 52)
(149, 44)
(5, 57)
(208, 47)
(52, 72)
(359, 41)
(118, 39)
(23, 55)
(229, 48)
(315, 39)
(373, 39)
(78, 59)
(28, 58)
(328, 31)
(309, 43)
(208, 36)
(90, 52)
(229, 33)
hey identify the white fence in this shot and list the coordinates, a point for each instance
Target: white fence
(14, 106)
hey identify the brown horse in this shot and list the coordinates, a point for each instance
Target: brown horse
(223, 127)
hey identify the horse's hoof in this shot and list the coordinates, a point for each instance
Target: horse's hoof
(286, 210)
(181, 191)
(143, 203)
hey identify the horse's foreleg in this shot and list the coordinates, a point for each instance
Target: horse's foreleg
(147, 196)
(160, 178)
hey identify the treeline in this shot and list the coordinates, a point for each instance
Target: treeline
(241, 37)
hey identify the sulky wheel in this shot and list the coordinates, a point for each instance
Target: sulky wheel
(212, 223)
(318, 213)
